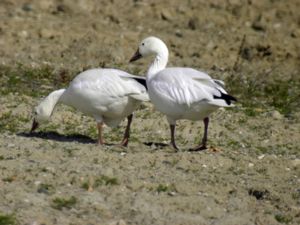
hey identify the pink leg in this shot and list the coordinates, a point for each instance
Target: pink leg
(100, 138)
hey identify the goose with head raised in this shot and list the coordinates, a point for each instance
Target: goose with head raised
(180, 92)
(108, 95)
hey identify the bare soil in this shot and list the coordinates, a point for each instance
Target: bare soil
(250, 175)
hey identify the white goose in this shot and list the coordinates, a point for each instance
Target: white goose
(108, 95)
(180, 93)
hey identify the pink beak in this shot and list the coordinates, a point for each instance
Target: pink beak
(137, 55)
(34, 125)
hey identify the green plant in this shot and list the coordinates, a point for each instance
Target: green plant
(105, 180)
(296, 195)
(9, 179)
(262, 150)
(8, 219)
(283, 218)
(85, 185)
(70, 151)
(60, 203)
(162, 188)
(236, 170)
(260, 91)
(32, 81)
(165, 188)
(250, 112)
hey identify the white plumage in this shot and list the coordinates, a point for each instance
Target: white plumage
(184, 93)
(108, 95)
(181, 93)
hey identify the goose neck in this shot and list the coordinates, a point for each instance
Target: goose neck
(159, 63)
(47, 106)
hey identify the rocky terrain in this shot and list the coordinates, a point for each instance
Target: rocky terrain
(250, 175)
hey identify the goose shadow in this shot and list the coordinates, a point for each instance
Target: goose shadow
(157, 145)
(55, 136)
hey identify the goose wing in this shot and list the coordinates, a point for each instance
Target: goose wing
(108, 85)
(137, 86)
(188, 86)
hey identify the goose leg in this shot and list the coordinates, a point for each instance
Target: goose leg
(100, 137)
(127, 131)
(172, 128)
(202, 145)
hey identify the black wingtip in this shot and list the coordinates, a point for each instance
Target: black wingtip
(142, 81)
(227, 98)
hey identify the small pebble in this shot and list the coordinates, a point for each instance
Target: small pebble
(178, 33)
(295, 162)
(277, 25)
(258, 26)
(37, 182)
(172, 193)
(166, 15)
(34, 223)
(276, 115)
(120, 222)
(153, 147)
(27, 7)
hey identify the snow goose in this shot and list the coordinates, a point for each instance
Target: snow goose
(108, 95)
(180, 93)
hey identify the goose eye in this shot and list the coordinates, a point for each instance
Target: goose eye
(143, 44)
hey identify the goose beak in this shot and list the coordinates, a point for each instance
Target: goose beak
(137, 55)
(34, 125)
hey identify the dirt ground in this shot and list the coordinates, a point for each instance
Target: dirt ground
(250, 175)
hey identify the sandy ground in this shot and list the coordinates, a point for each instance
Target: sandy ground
(249, 175)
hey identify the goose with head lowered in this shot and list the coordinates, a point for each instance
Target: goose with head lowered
(180, 92)
(107, 95)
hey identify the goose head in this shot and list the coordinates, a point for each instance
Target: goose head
(41, 114)
(44, 110)
(151, 46)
